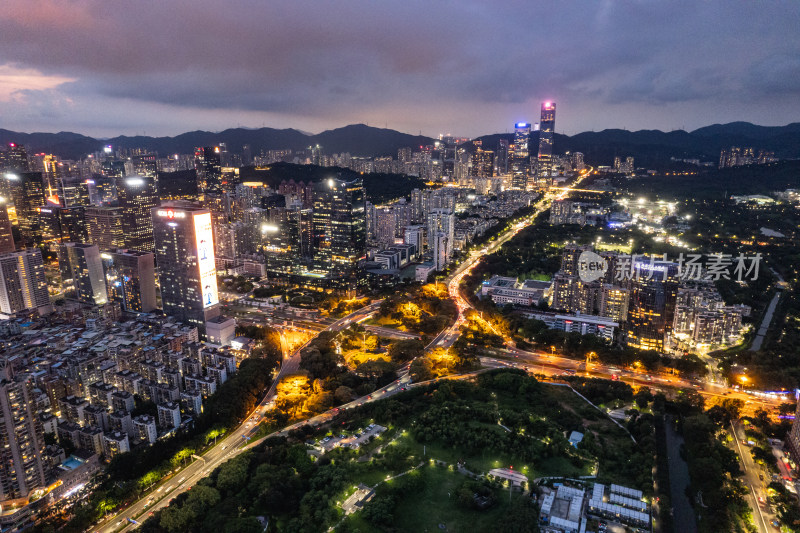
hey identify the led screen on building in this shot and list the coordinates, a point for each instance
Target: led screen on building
(205, 259)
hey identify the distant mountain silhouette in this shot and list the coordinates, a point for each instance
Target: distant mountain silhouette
(649, 147)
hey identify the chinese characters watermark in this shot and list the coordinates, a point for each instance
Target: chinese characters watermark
(686, 267)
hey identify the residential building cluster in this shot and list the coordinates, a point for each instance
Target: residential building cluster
(79, 378)
(736, 156)
(650, 307)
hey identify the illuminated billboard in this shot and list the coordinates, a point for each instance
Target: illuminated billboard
(206, 264)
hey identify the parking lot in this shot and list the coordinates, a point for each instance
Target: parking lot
(354, 441)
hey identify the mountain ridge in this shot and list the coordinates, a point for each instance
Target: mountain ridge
(648, 146)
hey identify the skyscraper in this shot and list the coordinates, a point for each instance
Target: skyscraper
(209, 168)
(23, 286)
(651, 307)
(137, 197)
(185, 257)
(482, 163)
(21, 439)
(104, 227)
(339, 226)
(6, 229)
(14, 158)
(62, 224)
(547, 126)
(82, 271)
(520, 159)
(131, 279)
(25, 189)
(441, 234)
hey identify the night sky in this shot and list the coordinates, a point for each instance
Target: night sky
(468, 68)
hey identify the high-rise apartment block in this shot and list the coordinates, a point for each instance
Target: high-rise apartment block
(21, 439)
(23, 286)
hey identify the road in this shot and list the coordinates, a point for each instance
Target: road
(449, 336)
(228, 446)
(753, 480)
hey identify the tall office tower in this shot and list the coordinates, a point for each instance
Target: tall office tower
(23, 286)
(51, 169)
(483, 163)
(651, 307)
(137, 197)
(145, 164)
(185, 257)
(14, 158)
(520, 159)
(6, 229)
(209, 168)
(73, 191)
(21, 439)
(441, 220)
(339, 226)
(62, 224)
(82, 271)
(547, 125)
(131, 279)
(501, 157)
(247, 155)
(25, 190)
(104, 227)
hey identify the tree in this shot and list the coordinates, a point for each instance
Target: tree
(343, 394)
(233, 474)
(406, 350)
(642, 397)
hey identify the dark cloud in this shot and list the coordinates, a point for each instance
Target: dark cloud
(471, 65)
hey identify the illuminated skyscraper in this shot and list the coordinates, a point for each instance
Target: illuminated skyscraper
(82, 271)
(520, 159)
(25, 189)
(14, 158)
(547, 125)
(185, 257)
(651, 307)
(209, 168)
(62, 224)
(23, 286)
(137, 197)
(6, 229)
(482, 163)
(339, 226)
(21, 439)
(130, 279)
(104, 227)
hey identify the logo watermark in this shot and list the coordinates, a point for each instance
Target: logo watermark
(685, 267)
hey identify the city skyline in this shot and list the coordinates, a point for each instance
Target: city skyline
(88, 68)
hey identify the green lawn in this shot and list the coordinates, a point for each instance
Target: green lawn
(437, 504)
(488, 459)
